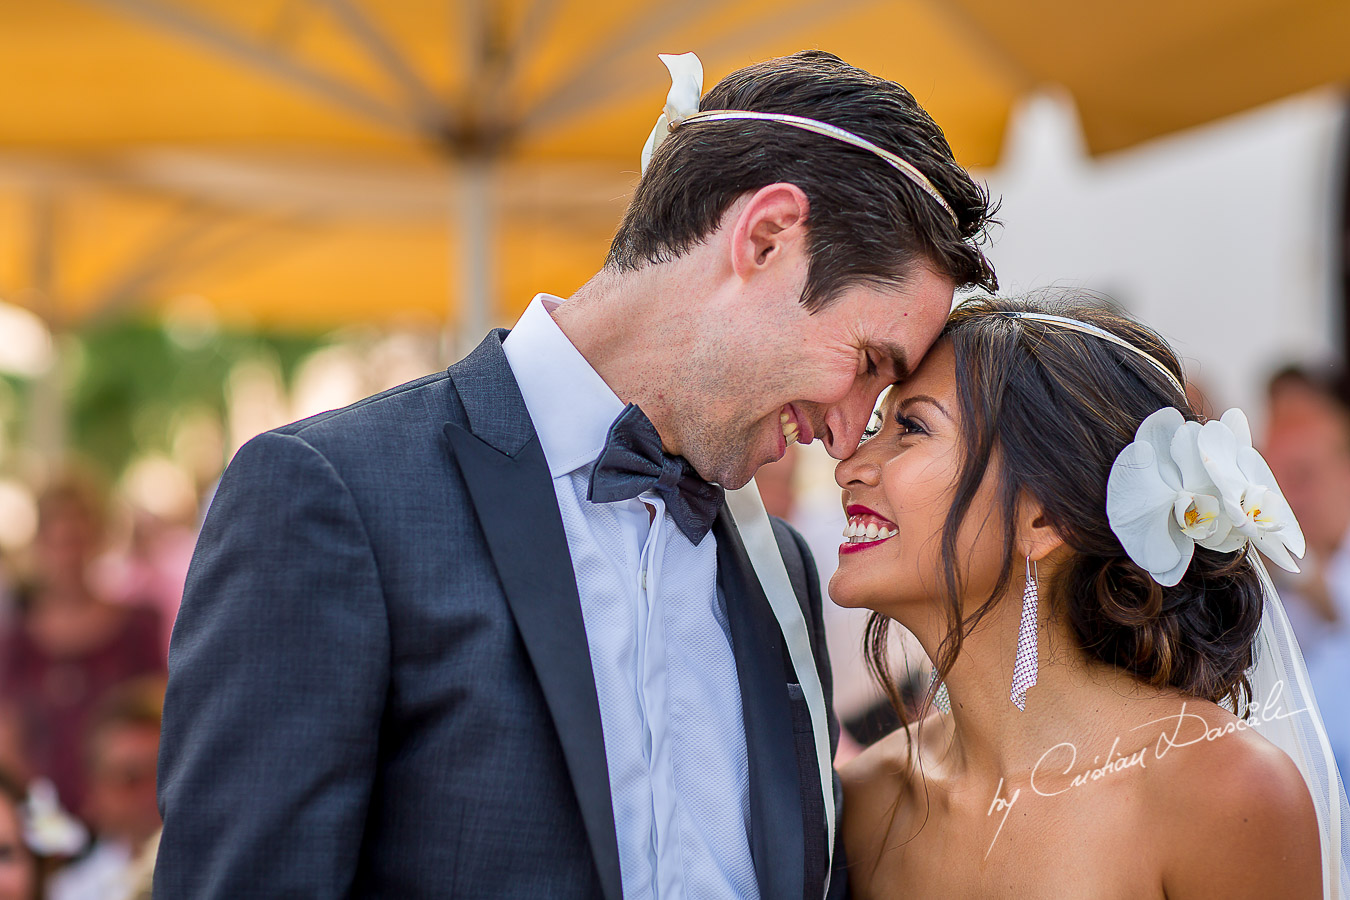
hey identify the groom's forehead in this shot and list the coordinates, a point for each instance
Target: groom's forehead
(905, 341)
(916, 309)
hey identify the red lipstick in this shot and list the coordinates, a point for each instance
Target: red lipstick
(858, 511)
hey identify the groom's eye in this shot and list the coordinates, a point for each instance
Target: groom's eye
(873, 427)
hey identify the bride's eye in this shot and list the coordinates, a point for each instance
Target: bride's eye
(909, 426)
(873, 427)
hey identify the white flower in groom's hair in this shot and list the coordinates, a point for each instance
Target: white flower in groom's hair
(686, 88)
(1251, 498)
(686, 85)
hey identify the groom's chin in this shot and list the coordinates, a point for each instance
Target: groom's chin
(736, 473)
(728, 471)
(735, 481)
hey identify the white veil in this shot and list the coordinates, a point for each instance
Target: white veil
(1286, 714)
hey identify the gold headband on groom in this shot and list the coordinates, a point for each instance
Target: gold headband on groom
(686, 88)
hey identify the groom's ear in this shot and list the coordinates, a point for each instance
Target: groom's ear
(1036, 537)
(770, 226)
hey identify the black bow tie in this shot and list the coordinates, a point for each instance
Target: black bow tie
(632, 462)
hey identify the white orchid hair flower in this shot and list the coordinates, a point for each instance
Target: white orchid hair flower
(1142, 493)
(1179, 484)
(1251, 498)
(686, 88)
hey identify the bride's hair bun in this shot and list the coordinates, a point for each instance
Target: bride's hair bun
(1052, 408)
(1195, 636)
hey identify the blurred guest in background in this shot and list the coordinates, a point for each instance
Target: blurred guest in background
(151, 568)
(122, 748)
(1332, 672)
(68, 646)
(1308, 447)
(6, 590)
(18, 866)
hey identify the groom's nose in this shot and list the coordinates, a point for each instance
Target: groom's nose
(845, 421)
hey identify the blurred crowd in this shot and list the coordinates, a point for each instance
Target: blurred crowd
(91, 576)
(85, 612)
(87, 607)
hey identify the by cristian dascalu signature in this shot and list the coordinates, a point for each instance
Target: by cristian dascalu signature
(1062, 759)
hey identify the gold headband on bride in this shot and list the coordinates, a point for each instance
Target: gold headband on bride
(1085, 328)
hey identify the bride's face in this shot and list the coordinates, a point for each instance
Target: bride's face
(902, 481)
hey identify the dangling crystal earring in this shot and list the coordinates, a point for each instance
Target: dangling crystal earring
(941, 699)
(1025, 666)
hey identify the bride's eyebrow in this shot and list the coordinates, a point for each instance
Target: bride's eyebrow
(923, 398)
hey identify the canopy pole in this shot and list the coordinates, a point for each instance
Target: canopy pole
(47, 403)
(475, 227)
(46, 393)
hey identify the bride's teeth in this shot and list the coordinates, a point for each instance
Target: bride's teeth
(784, 418)
(855, 532)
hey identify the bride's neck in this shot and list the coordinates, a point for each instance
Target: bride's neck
(1068, 703)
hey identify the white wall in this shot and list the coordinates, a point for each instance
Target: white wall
(1220, 238)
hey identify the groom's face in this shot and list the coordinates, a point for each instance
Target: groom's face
(790, 375)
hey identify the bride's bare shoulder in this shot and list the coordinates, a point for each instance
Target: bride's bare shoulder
(1234, 814)
(875, 782)
(888, 762)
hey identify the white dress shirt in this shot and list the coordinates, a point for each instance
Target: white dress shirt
(106, 872)
(1315, 635)
(659, 642)
(1326, 646)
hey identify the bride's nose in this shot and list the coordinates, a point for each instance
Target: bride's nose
(862, 469)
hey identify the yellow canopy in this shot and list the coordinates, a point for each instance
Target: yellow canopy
(312, 162)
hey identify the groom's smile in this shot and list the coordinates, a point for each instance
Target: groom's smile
(797, 428)
(825, 370)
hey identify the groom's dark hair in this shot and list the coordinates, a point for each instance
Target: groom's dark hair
(867, 224)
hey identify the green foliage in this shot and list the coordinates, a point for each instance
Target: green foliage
(126, 382)
(12, 391)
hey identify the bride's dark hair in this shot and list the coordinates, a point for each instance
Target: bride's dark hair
(1055, 407)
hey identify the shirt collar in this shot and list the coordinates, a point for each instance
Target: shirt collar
(569, 403)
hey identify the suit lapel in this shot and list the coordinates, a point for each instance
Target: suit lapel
(775, 785)
(509, 483)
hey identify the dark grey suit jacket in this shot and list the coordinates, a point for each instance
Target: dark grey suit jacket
(379, 679)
